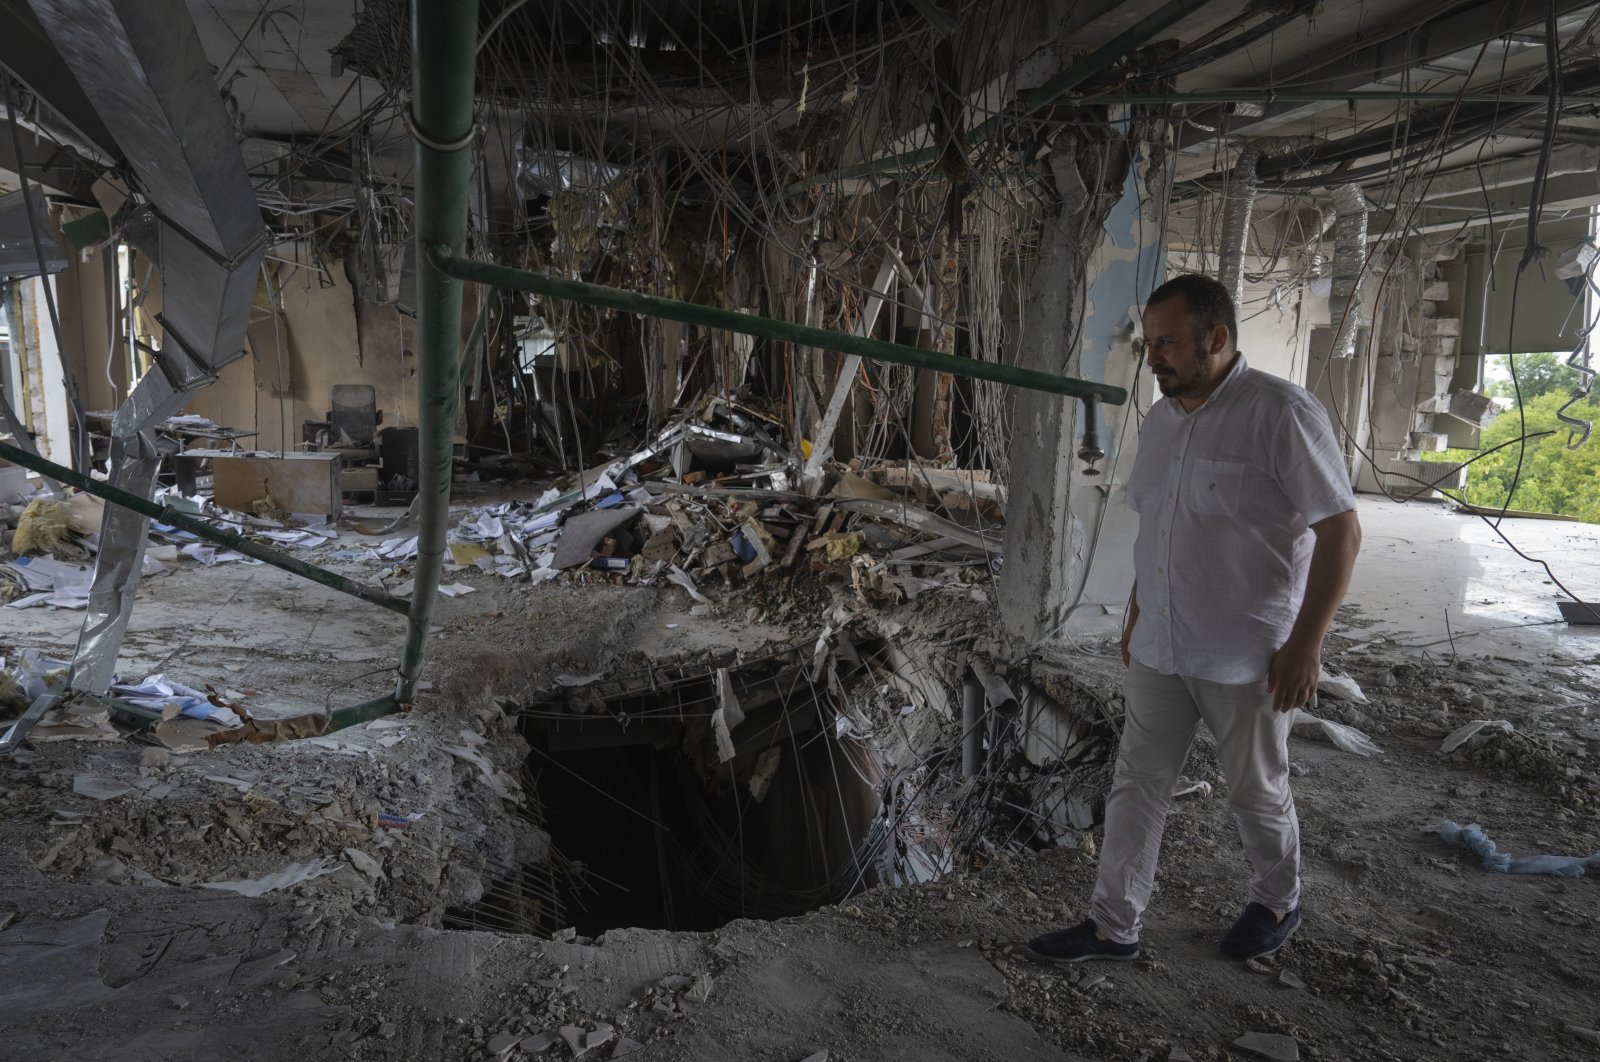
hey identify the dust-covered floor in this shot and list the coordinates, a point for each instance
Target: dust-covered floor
(112, 945)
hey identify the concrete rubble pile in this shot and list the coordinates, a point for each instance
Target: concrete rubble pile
(715, 495)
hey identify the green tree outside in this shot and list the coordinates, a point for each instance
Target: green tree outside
(1553, 479)
(1537, 374)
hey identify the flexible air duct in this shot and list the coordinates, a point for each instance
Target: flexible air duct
(1238, 205)
(1349, 255)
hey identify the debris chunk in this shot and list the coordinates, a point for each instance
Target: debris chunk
(1269, 1046)
(99, 787)
(1462, 735)
(700, 991)
(364, 863)
(574, 1038)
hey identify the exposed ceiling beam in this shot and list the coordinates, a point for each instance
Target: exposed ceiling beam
(1505, 172)
(1572, 191)
(59, 169)
(1467, 26)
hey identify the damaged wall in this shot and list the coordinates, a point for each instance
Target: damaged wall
(44, 406)
(87, 295)
(1275, 319)
(322, 335)
(1068, 544)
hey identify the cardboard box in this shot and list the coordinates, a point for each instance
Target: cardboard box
(296, 482)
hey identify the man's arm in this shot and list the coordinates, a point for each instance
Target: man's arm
(1133, 617)
(1292, 675)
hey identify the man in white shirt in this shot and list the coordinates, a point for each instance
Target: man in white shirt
(1247, 536)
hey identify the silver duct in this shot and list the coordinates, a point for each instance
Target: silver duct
(1238, 204)
(1349, 255)
(141, 63)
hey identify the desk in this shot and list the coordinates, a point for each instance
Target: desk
(296, 482)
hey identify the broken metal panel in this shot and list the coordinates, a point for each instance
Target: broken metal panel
(27, 52)
(118, 567)
(143, 65)
(1545, 315)
(19, 256)
(205, 309)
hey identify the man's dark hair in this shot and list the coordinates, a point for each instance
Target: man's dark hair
(1208, 302)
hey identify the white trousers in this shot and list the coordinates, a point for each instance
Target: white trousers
(1253, 745)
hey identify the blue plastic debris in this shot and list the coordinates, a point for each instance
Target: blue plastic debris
(742, 546)
(1472, 837)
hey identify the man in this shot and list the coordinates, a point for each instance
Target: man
(1247, 535)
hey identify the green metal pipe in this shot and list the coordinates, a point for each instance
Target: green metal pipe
(443, 260)
(443, 45)
(365, 712)
(1269, 96)
(201, 529)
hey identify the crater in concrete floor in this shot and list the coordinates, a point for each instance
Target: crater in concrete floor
(683, 797)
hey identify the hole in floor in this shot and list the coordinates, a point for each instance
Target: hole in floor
(687, 796)
(654, 844)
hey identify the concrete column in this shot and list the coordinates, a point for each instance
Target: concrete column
(1068, 548)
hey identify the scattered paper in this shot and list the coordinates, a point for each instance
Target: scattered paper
(52, 582)
(209, 555)
(683, 579)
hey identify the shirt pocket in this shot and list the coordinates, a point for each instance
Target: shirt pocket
(1215, 487)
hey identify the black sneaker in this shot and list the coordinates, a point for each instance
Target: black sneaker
(1079, 944)
(1258, 933)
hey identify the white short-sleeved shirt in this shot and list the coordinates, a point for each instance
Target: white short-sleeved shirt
(1226, 496)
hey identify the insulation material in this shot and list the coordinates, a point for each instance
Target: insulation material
(12, 697)
(42, 527)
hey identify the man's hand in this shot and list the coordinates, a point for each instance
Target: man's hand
(1292, 675)
(1127, 628)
